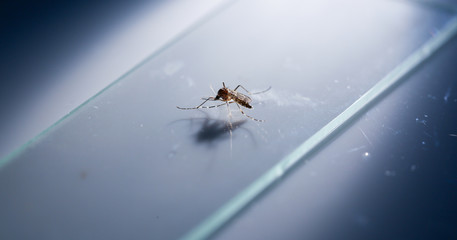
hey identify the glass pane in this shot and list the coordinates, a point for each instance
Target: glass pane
(129, 164)
(390, 175)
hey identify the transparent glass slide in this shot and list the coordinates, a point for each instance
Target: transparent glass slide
(129, 164)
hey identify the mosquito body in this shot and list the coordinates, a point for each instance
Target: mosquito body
(229, 96)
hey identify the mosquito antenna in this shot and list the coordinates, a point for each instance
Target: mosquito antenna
(212, 89)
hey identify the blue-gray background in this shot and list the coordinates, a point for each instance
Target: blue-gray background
(57, 54)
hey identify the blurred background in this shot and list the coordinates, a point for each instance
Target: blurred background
(57, 54)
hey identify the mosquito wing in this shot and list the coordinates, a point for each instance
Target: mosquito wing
(241, 97)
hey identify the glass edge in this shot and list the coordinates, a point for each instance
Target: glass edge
(206, 17)
(239, 202)
(440, 6)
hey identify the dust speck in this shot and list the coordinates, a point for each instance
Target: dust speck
(390, 173)
(83, 175)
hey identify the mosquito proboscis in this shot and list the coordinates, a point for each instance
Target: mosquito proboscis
(229, 96)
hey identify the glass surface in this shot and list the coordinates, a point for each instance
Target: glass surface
(392, 174)
(129, 164)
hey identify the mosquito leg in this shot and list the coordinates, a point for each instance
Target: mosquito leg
(250, 92)
(255, 119)
(215, 106)
(200, 106)
(266, 90)
(228, 107)
(231, 142)
(242, 88)
(230, 115)
(209, 99)
(197, 107)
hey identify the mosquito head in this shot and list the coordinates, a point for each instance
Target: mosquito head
(222, 94)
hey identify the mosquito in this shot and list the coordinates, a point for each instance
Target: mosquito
(229, 96)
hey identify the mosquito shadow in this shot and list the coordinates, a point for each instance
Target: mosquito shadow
(210, 131)
(214, 130)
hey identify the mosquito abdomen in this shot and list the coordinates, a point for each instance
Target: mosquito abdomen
(243, 103)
